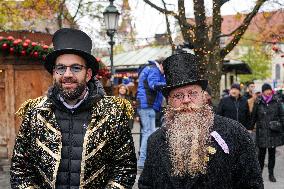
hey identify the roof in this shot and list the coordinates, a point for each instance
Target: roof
(236, 66)
(134, 59)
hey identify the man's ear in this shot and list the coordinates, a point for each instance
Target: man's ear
(89, 74)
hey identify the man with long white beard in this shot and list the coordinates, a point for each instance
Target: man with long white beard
(196, 149)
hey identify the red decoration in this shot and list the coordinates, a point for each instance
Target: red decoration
(35, 54)
(23, 53)
(27, 41)
(34, 44)
(1, 38)
(16, 42)
(45, 47)
(25, 44)
(10, 38)
(12, 50)
(5, 46)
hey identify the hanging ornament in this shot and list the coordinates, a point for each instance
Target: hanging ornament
(45, 47)
(34, 44)
(5, 46)
(12, 50)
(10, 38)
(25, 44)
(35, 54)
(27, 41)
(16, 42)
(23, 53)
(1, 38)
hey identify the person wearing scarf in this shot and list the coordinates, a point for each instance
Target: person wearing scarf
(267, 110)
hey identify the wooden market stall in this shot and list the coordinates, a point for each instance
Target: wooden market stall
(22, 76)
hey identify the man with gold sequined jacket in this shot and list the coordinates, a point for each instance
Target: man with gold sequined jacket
(75, 136)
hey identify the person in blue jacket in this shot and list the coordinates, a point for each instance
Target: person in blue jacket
(149, 100)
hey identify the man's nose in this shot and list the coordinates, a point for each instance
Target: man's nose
(68, 72)
(187, 99)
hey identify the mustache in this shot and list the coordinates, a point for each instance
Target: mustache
(68, 80)
(186, 108)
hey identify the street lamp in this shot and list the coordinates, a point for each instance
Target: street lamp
(111, 16)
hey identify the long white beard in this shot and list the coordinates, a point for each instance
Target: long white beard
(188, 136)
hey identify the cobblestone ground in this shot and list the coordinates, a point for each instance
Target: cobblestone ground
(279, 168)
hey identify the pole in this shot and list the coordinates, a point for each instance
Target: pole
(111, 42)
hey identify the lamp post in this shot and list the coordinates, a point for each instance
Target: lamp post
(111, 16)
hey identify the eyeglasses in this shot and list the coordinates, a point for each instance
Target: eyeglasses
(75, 68)
(189, 94)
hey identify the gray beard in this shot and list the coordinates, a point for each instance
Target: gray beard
(70, 94)
(188, 137)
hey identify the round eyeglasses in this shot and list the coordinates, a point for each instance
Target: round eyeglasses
(75, 68)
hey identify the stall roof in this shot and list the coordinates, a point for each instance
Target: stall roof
(236, 66)
(133, 59)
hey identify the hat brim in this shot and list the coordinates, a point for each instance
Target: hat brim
(90, 59)
(203, 83)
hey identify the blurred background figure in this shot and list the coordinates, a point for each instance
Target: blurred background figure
(269, 118)
(235, 106)
(208, 93)
(149, 101)
(123, 92)
(225, 93)
(250, 89)
(251, 101)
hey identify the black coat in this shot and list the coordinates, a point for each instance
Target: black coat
(262, 114)
(237, 170)
(236, 109)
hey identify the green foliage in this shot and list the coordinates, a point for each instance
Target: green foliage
(259, 61)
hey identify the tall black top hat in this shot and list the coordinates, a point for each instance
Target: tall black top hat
(71, 41)
(180, 70)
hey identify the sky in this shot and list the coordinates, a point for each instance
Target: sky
(148, 21)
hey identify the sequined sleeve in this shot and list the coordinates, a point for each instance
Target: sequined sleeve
(124, 173)
(21, 163)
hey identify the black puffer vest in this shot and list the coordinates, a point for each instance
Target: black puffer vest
(73, 126)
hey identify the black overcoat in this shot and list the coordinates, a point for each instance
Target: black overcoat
(262, 114)
(237, 170)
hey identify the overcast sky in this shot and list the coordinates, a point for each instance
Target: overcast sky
(148, 21)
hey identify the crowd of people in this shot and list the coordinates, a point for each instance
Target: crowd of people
(76, 136)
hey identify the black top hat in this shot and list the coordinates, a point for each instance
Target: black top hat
(180, 70)
(71, 41)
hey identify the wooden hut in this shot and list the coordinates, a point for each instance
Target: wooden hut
(22, 76)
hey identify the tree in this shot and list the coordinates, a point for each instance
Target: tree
(17, 15)
(259, 61)
(205, 34)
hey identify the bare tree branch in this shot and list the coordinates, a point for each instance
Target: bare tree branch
(164, 11)
(169, 29)
(201, 28)
(172, 13)
(216, 23)
(241, 29)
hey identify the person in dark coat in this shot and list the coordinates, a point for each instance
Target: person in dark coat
(250, 89)
(235, 107)
(268, 112)
(195, 149)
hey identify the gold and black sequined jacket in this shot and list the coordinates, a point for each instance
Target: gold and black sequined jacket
(108, 158)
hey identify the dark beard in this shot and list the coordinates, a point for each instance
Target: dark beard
(188, 136)
(70, 94)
